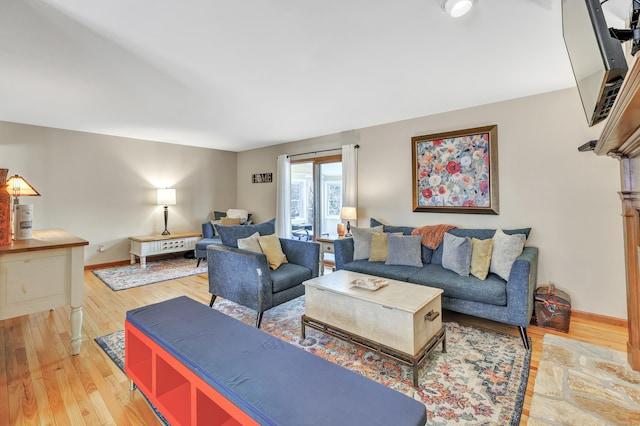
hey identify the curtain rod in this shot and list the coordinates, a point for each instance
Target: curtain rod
(315, 152)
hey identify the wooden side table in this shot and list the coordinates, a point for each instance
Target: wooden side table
(327, 258)
(150, 245)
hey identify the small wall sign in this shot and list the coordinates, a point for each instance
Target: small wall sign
(262, 178)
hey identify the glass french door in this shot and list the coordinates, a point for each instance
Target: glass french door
(316, 197)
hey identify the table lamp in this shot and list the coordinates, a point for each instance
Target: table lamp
(166, 198)
(348, 213)
(17, 186)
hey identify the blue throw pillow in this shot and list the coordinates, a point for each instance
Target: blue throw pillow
(456, 254)
(229, 235)
(404, 250)
(406, 230)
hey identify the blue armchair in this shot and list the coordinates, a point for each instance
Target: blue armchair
(244, 277)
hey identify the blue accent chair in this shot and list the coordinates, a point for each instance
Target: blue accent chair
(244, 277)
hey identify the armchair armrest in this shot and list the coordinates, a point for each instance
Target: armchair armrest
(303, 253)
(240, 276)
(207, 230)
(522, 284)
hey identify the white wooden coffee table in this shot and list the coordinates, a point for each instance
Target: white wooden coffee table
(400, 320)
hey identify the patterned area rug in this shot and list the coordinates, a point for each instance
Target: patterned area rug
(480, 380)
(130, 276)
(583, 384)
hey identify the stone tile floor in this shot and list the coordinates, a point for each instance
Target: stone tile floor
(582, 384)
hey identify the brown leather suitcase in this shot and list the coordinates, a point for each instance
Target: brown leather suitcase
(552, 308)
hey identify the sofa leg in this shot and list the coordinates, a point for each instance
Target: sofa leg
(525, 339)
(259, 319)
(213, 299)
(198, 264)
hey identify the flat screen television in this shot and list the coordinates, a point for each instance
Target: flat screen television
(597, 59)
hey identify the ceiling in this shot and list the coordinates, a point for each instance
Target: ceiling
(238, 75)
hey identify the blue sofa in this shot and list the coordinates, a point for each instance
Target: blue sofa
(208, 237)
(509, 302)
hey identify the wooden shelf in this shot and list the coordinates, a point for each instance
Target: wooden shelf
(169, 385)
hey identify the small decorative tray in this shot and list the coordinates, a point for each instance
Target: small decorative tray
(370, 283)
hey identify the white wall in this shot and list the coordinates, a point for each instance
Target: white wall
(568, 198)
(103, 188)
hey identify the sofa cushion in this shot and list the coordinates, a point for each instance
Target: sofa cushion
(379, 269)
(480, 257)
(406, 230)
(251, 243)
(270, 245)
(456, 254)
(229, 234)
(289, 275)
(481, 234)
(404, 250)
(362, 241)
(505, 250)
(492, 291)
(380, 246)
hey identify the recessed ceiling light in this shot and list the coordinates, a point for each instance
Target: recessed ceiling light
(457, 8)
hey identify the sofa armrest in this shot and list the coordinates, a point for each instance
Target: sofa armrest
(522, 284)
(241, 276)
(303, 253)
(343, 251)
(207, 230)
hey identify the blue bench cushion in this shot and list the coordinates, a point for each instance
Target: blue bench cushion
(272, 381)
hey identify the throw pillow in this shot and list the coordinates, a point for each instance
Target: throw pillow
(238, 214)
(229, 234)
(251, 243)
(404, 250)
(218, 215)
(272, 248)
(226, 221)
(380, 246)
(362, 241)
(456, 254)
(480, 257)
(506, 248)
(214, 223)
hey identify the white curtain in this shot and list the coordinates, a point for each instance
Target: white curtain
(350, 175)
(283, 197)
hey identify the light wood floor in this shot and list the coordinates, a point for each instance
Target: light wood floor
(41, 383)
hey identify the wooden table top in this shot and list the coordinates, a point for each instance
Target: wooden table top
(160, 237)
(44, 240)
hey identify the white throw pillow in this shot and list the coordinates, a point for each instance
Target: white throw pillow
(506, 248)
(251, 243)
(238, 214)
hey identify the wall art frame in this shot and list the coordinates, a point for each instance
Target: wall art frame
(456, 172)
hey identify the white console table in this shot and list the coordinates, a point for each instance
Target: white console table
(41, 273)
(150, 245)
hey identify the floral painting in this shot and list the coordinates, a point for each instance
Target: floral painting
(456, 172)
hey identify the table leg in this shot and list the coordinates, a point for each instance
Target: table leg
(133, 259)
(76, 329)
(143, 261)
(302, 329)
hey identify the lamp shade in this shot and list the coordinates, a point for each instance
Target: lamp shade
(17, 186)
(348, 213)
(166, 197)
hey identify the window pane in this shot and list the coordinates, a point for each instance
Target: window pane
(330, 188)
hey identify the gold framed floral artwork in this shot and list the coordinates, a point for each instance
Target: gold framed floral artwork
(456, 172)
